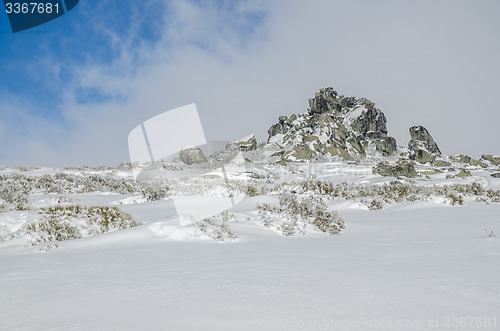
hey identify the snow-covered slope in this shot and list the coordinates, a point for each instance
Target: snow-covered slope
(423, 261)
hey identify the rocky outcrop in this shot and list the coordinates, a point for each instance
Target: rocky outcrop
(334, 126)
(463, 173)
(461, 158)
(192, 155)
(386, 146)
(246, 144)
(495, 160)
(478, 163)
(423, 148)
(441, 163)
(403, 168)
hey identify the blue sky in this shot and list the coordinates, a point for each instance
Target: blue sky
(72, 89)
(38, 64)
(42, 68)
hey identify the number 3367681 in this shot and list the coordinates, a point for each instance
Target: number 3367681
(32, 8)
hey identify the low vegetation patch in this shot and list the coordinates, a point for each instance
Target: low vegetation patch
(154, 191)
(294, 214)
(72, 222)
(374, 196)
(216, 227)
(16, 188)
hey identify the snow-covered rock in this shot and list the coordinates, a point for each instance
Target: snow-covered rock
(334, 126)
(423, 148)
(246, 144)
(192, 155)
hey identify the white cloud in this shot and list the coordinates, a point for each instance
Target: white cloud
(421, 63)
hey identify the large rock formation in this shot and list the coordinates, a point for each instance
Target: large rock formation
(423, 148)
(333, 126)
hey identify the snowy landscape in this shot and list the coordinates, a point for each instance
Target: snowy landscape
(250, 165)
(416, 259)
(252, 244)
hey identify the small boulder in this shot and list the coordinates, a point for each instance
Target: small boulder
(463, 173)
(192, 155)
(478, 163)
(493, 159)
(460, 158)
(441, 163)
(496, 175)
(403, 168)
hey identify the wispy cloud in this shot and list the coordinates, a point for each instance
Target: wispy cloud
(245, 63)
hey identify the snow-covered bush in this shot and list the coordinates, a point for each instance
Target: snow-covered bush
(455, 199)
(294, 213)
(14, 191)
(63, 183)
(94, 183)
(252, 190)
(216, 228)
(374, 204)
(392, 192)
(213, 186)
(154, 191)
(61, 223)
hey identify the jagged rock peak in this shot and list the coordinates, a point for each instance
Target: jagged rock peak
(423, 148)
(333, 126)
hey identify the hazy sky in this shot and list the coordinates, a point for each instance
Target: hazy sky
(71, 90)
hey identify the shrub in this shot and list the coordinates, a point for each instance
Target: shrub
(52, 229)
(455, 199)
(392, 192)
(375, 205)
(295, 213)
(14, 191)
(14, 186)
(154, 192)
(72, 222)
(251, 191)
(94, 183)
(216, 228)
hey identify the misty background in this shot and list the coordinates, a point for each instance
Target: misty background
(71, 90)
